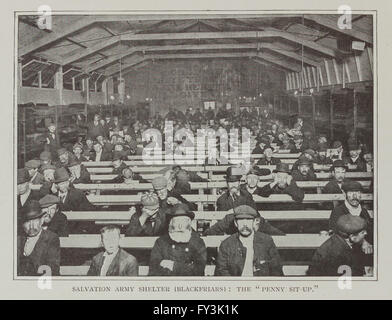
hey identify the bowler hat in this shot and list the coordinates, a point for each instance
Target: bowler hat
(49, 200)
(159, 183)
(259, 171)
(351, 186)
(304, 161)
(232, 175)
(350, 224)
(339, 164)
(32, 164)
(61, 175)
(353, 146)
(150, 200)
(282, 167)
(22, 176)
(180, 209)
(245, 212)
(31, 210)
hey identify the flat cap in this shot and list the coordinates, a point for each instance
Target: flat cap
(32, 164)
(48, 167)
(259, 171)
(282, 167)
(22, 176)
(181, 209)
(45, 155)
(336, 144)
(159, 183)
(304, 161)
(245, 212)
(49, 200)
(353, 146)
(349, 224)
(150, 200)
(61, 151)
(339, 164)
(351, 186)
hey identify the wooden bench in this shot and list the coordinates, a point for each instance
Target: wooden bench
(289, 241)
(234, 156)
(211, 199)
(288, 270)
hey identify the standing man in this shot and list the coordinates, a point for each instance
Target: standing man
(180, 251)
(113, 261)
(52, 142)
(38, 249)
(343, 250)
(95, 128)
(248, 253)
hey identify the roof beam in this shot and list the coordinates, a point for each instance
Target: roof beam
(268, 64)
(333, 24)
(113, 59)
(271, 58)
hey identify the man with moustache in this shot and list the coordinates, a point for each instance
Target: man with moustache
(248, 253)
(24, 192)
(234, 196)
(269, 159)
(33, 168)
(180, 251)
(352, 205)
(253, 179)
(304, 171)
(354, 159)
(38, 249)
(53, 219)
(79, 174)
(334, 186)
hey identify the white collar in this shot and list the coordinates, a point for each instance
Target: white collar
(352, 210)
(112, 255)
(246, 241)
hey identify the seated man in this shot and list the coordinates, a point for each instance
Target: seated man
(24, 192)
(283, 184)
(352, 206)
(334, 186)
(100, 153)
(48, 174)
(32, 166)
(268, 159)
(147, 219)
(64, 156)
(343, 250)
(113, 261)
(78, 152)
(298, 144)
(234, 196)
(227, 226)
(88, 150)
(354, 160)
(368, 157)
(53, 219)
(168, 198)
(38, 249)
(127, 176)
(118, 163)
(79, 173)
(322, 158)
(308, 154)
(71, 199)
(45, 158)
(180, 251)
(253, 179)
(304, 171)
(262, 142)
(248, 253)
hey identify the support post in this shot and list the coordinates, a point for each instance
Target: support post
(330, 115)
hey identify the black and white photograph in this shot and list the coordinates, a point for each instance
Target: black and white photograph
(197, 145)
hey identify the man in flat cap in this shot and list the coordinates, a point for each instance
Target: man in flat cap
(180, 251)
(235, 195)
(352, 206)
(117, 162)
(168, 198)
(269, 159)
(53, 219)
(248, 253)
(304, 171)
(71, 199)
(343, 250)
(24, 192)
(45, 158)
(79, 174)
(354, 159)
(32, 167)
(38, 249)
(113, 261)
(77, 150)
(148, 219)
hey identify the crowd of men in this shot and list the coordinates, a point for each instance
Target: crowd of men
(164, 212)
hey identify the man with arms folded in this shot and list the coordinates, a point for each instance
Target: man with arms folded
(248, 253)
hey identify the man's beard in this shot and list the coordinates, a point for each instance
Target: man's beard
(354, 203)
(180, 236)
